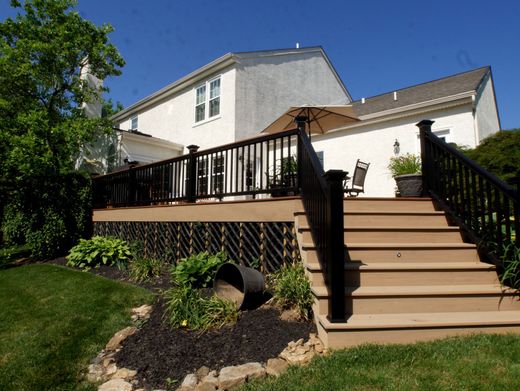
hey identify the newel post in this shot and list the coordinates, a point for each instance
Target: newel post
(335, 246)
(191, 188)
(425, 129)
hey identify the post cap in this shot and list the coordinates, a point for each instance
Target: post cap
(193, 148)
(425, 124)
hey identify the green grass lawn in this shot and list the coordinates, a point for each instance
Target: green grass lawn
(54, 320)
(481, 362)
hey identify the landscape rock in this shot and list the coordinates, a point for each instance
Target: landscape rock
(298, 352)
(230, 377)
(289, 315)
(111, 369)
(120, 336)
(115, 385)
(95, 373)
(142, 312)
(201, 373)
(124, 373)
(233, 376)
(208, 383)
(189, 383)
(276, 366)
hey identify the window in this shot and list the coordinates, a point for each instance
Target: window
(202, 176)
(207, 105)
(217, 179)
(134, 123)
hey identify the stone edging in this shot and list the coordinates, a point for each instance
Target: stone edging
(103, 367)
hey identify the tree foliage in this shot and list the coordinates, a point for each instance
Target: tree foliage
(45, 53)
(499, 154)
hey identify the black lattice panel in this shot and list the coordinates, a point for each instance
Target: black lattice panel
(267, 245)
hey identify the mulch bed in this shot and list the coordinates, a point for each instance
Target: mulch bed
(159, 353)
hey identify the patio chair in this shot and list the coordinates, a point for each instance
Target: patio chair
(358, 180)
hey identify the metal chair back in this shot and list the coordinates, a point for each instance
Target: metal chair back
(358, 179)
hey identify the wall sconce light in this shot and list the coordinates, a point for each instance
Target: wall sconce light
(397, 147)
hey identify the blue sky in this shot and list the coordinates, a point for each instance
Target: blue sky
(376, 46)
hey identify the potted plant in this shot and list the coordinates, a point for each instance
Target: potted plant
(406, 170)
(284, 178)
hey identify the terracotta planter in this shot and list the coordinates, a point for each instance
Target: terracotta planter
(409, 185)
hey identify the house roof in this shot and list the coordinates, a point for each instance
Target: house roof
(215, 66)
(448, 86)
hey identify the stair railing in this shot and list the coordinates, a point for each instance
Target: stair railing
(486, 208)
(322, 197)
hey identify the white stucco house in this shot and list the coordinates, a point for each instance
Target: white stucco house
(239, 94)
(463, 107)
(234, 97)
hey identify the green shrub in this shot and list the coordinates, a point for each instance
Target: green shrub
(15, 225)
(49, 211)
(97, 251)
(292, 289)
(511, 265)
(198, 270)
(144, 268)
(405, 164)
(50, 240)
(186, 307)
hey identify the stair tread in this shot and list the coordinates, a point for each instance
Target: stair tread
(455, 265)
(395, 228)
(418, 290)
(424, 320)
(310, 245)
(386, 213)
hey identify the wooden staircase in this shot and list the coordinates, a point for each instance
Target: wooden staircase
(411, 277)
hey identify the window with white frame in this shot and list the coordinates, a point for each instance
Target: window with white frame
(443, 134)
(207, 105)
(133, 123)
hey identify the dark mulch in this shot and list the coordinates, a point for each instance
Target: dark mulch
(158, 352)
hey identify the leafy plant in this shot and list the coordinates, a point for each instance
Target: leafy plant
(283, 172)
(405, 164)
(144, 268)
(292, 289)
(186, 307)
(511, 265)
(198, 270)
(98, 251)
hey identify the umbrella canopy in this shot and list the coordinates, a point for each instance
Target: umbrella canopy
(319, 119)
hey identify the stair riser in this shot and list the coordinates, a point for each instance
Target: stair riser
(398, 236)
(412, 278)
(420, 304)
(344, 339)
(394, 305)
(368, 255)
(388, 205)
(370, 220)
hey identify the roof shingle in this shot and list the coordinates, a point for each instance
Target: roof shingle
(448, 86)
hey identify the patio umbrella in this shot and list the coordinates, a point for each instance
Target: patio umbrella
(319, 119)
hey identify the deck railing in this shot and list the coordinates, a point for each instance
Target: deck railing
(263, 165)
(487, 208)
(322, 197)
(278, 164)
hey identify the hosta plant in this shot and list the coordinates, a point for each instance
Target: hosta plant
(98, 251)
(198, 270)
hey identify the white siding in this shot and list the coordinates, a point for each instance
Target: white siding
(173, 119)
(268, 86)
(486, 114)
(374, 144)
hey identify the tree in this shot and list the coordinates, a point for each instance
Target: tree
(499, 154)
(44, 53)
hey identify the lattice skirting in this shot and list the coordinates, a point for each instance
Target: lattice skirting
(267, 245)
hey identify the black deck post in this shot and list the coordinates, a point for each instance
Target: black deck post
(335, 249)
(425, 127)
(191, 188)
(132, 186)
